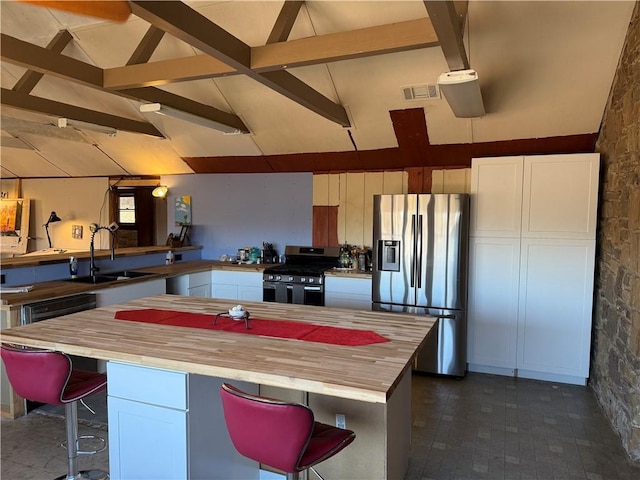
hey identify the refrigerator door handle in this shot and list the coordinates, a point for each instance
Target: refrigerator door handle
(419, 252)
(413, 251)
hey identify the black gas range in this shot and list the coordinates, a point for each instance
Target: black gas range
(301, 278)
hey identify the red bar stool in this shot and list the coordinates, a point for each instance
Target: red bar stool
(48, 377)
(282, 435)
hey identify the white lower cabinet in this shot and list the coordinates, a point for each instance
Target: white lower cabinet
(168, 425)
(554, 314)
(127, 292)
(193, 284)
(236, 285)
(492, 320)
(345, 292)
(155, 433)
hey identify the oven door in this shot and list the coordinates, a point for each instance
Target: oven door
(297, 293)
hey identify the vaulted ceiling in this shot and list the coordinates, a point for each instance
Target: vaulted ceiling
(289, 78)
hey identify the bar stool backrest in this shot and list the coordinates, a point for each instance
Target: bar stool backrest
(37, 375)
(270, 431)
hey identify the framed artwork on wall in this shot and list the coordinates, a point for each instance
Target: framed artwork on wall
(183, 210)
(14, 225)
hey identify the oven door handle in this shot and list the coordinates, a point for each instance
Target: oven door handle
(313, 289)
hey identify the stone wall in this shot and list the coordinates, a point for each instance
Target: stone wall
(615, 363)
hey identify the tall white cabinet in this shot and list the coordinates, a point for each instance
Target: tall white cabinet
(531, 265)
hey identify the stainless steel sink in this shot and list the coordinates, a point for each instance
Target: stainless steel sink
(110, 277)
(90, 279)
(127, 274)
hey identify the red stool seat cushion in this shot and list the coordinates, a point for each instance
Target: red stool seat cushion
(283, 435)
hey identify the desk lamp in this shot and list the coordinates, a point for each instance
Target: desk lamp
(52, 218)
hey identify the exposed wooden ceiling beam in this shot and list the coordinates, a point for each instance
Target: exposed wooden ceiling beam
(31, 103)
(191, 27)
(30, 79)
(116, 10)
(378, 40)
(446, 23)
(363, 42)
(40, 59)
(284, 23)
(147, 46)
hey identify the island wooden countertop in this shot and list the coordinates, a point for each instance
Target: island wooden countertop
(367, 373)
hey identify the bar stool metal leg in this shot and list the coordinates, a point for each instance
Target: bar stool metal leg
(73, 448)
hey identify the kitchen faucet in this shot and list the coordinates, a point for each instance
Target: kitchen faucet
(95, 228)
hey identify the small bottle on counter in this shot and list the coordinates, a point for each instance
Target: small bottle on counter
(73, 267)
(362, 261)
(169, 259)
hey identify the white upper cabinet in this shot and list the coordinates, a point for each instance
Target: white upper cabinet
(560, 196)
(496, 192)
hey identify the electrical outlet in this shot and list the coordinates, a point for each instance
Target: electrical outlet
(341, 421)
(76, 231)
(178, 257)
(3, 278)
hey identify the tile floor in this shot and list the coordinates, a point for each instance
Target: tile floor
(481, 427)
(493, 427)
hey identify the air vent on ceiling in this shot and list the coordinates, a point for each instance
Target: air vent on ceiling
(421, 92)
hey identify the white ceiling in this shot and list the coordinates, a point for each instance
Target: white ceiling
(545, 69)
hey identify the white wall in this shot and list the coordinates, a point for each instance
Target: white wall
(77, 201)
(243, 210)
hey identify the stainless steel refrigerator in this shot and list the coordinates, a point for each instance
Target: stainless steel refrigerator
(420, 245)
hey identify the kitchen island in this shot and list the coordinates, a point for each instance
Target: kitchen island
(163, 383)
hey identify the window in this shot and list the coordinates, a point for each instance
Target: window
(127, 209)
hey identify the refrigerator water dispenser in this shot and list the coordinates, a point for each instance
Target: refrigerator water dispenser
(389, 255)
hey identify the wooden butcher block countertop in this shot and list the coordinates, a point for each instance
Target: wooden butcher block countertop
(63, 288)
(366, 373)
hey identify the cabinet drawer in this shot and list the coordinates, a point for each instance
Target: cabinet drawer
(155, 386)
(249, 279)
(355, 286)
(200, 278)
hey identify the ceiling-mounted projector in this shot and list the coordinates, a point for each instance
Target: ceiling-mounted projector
(461, 88)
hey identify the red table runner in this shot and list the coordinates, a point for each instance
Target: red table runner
(268, 328)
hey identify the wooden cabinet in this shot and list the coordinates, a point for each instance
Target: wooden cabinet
(193, 284)
(11, 404)
(531, 265)
(168, 425)
(346, 292)
(245, 286)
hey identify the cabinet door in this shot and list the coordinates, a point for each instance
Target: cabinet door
(147, 442)
(496, 197)
(493, 302)
(250, 293)
(343, 292)
(202, 291)
(229, 292)
(556, 291)
(127, 292)
(560, 196)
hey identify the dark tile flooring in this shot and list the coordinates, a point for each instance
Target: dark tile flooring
(480, 427)
(493, 427)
